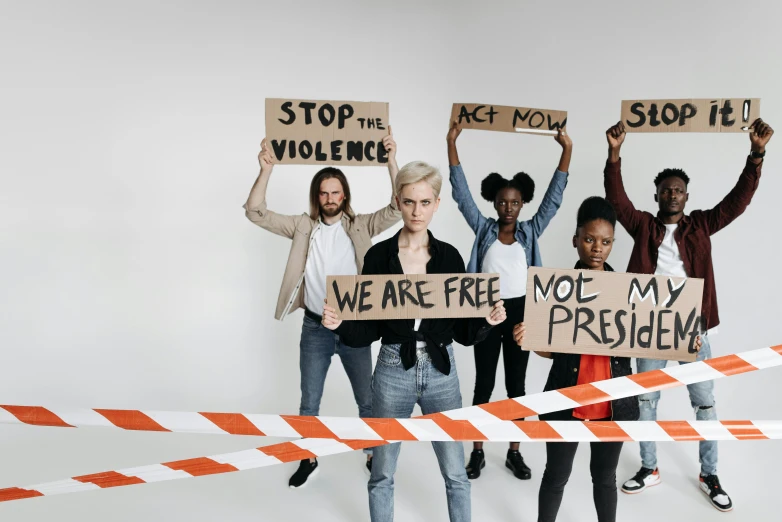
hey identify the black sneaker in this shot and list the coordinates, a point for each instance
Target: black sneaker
(476, 464)
(515, 463)
(369, 467)
(306, 470)
(710, 485)
(645, 478)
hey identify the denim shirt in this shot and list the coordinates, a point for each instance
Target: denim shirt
(487, 229)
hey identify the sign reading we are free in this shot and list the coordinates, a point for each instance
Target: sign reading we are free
(412, 296)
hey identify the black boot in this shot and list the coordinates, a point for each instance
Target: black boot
(476, 464)
(515, 463)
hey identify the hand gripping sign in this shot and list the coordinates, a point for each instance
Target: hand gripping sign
(331, 435)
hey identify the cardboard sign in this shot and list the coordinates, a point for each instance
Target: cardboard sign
(705, 115)
(507, 119)
(413, 296)
(313, 132)
(610, 313)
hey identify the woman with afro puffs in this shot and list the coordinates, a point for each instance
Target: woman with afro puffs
(506, 246)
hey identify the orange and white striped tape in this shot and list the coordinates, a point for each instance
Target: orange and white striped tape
(554, 431)
(449, 423)
(472, 423)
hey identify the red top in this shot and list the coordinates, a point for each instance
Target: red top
(594, 368)
(693, 236)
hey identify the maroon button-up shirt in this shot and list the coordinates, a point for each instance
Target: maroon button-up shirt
(693, 235)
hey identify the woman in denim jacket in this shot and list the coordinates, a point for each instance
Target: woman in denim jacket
(506, 246)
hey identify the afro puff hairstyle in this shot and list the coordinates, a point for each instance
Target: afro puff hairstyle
(493, 183)
(594, 208)
(670, 173)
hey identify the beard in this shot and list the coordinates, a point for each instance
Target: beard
(332, 211)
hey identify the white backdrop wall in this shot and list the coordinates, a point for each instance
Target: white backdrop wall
(130, 277)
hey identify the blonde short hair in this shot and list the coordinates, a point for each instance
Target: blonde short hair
(416, 171)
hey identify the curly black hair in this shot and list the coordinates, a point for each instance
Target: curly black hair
(670, 173)
(493, 183)
(593, 208)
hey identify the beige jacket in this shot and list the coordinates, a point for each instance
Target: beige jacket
(300, 229)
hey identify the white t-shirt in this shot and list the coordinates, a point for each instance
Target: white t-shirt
(418, 344)
(332, 253)
(669, 260)
(510, 261)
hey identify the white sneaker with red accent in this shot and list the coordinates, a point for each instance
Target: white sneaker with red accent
(710, 485)
(645, 478)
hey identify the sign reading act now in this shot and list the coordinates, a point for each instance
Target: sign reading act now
(412, 296)
(609, 313)
(507, 119)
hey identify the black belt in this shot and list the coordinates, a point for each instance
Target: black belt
(312, 315)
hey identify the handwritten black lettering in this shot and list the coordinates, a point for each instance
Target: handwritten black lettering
(286, 108)
(552, 321)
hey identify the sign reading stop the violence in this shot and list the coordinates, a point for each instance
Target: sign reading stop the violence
(412, 296)
(703, 115)
(610, 313)
(326, 132)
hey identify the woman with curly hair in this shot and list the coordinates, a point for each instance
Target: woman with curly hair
(506, 246)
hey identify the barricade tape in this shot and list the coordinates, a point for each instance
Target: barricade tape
(470, 423)
(452, 422)
(540, 431)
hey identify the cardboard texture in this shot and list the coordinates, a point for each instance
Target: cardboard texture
(610, 313)
(317, 132)
(694, 115)
(507, 119)
(412, 296)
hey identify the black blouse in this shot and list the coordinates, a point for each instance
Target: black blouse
(383, 258)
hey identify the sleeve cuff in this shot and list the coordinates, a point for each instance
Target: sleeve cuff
(617, 165)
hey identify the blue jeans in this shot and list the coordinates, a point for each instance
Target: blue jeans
(318, 345)
(395, 392)
(701, 399)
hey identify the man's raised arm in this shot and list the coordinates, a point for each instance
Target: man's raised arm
(255, 208)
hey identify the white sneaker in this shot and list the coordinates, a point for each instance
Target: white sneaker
(710, 485)
(645, 478)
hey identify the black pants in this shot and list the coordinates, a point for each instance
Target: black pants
(559, 463)
(487, 355)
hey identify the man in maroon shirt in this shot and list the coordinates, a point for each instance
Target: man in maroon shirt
(675, 244)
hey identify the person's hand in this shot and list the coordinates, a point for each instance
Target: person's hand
(698, 344)
(390, 145)
(497, 314)
(265, 158)
(329, 319)
(453, 132)
(518, 333)
(760, 133)
(616, 136)
(563, 139)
